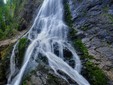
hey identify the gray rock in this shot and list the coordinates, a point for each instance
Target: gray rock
(44, 75)
(95, 18)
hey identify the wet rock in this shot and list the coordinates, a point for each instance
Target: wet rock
(102, 34)
(72, 63)
(71, 81)
(67, 54)
(109, 39)
(43, 58)
(27, 12)
(43, 75)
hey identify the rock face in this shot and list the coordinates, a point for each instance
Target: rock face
(94, 21)
(27, 12)
(43, 75)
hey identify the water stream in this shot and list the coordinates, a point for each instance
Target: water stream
(48, 32)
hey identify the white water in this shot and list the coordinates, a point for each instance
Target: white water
(47, 31)
(5, 1)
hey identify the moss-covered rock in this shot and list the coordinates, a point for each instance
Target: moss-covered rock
(22, 45)
(4, 63)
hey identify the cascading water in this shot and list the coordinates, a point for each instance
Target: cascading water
(47, 31)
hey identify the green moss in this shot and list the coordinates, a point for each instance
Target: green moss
(80, 46)
(21, 49)
(94, 74)
(67, 15)
(68, 19)
(9, 18)
(24, 83)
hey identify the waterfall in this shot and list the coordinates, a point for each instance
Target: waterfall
(5, 1)
(48, 31)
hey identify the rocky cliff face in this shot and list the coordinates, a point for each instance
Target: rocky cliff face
(26, 12)
(94, 21)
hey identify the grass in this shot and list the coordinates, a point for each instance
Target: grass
(94, 74)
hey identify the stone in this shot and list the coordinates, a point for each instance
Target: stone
(44, 75)
(99, 33)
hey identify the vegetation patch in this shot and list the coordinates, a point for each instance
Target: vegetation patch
(94, 74)
(90, 71)
(23, 43)
(68, 19)
(8, 23)
(67, 15)
(4, 62)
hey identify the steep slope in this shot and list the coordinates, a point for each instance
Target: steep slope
(94, 21)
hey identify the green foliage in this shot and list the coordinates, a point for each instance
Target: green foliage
(67, 15)
(68, 19)
(21, 50)
(24, 83)
(94, 74)
(8, 22)
(1, 34)
(80, 46)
